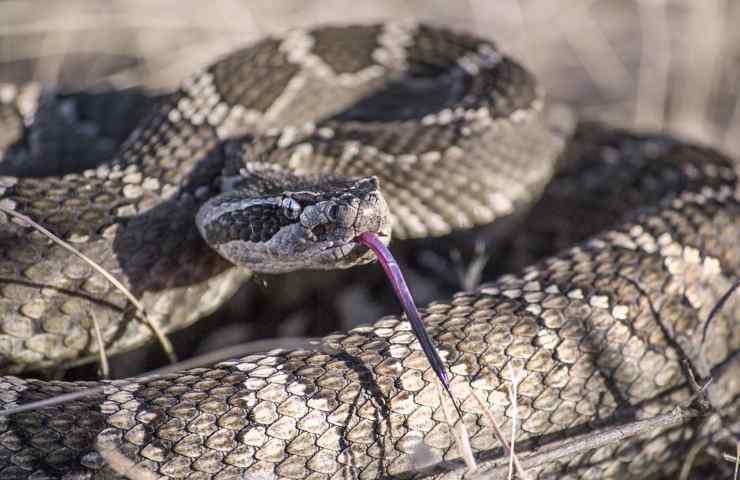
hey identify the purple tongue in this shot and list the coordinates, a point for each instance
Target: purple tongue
(395, 276)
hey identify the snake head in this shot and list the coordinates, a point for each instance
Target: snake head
(278, 222)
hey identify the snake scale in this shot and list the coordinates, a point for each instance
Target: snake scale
(605, 332)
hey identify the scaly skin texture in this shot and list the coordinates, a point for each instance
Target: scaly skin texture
(602, 334)
(479, 127)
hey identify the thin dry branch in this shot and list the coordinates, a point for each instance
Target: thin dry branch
(104, 365)
(690, 458)
(590, 441)
(513, 387)
(499, 435)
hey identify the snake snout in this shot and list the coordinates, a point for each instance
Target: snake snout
(373, 216)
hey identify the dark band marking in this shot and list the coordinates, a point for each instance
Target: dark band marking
(346, 49)
(254, 77)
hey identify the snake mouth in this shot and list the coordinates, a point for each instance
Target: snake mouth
(356, 243)
(361, 246)
(352, 252)
(383, 236)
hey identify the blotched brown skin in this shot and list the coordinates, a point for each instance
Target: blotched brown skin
(601, 334)
(135, 217)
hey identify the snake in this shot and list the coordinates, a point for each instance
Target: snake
(275, 158)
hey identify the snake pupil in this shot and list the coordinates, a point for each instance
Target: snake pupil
(332, 212)
(291, 208)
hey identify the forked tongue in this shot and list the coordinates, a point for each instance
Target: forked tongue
(395, 276)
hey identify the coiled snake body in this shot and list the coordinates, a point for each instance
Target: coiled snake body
(604, 333)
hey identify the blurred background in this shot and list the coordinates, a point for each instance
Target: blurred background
(659, 65)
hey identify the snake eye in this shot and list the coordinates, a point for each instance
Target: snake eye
(332, 212)
(291, 208)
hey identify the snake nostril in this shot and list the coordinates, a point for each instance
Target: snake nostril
(371, 197)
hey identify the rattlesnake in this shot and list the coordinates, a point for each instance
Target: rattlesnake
(604, 333)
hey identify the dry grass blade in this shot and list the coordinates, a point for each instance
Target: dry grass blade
(104, 366)
(470, 275)
(570, 447)
(466, 449)
(499, 435)
(140, 312)
(515, 416)
(462, 439)
(737, 459)
(690, 458)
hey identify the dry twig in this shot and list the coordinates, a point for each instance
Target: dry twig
(461, 438)
(499, 435)
(104, 366)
